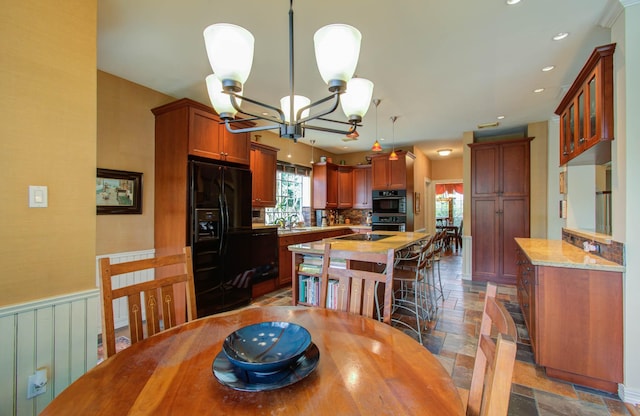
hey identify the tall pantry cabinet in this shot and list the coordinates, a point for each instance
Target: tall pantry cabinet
(500, 183)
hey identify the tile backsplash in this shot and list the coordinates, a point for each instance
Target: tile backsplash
(613, 251)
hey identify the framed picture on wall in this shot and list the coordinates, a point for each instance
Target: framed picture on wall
(563, 182)
(417, 202)
(118, 192)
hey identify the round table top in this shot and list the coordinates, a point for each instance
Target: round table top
(365, 367)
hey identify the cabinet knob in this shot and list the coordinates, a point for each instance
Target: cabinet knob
(582, 140)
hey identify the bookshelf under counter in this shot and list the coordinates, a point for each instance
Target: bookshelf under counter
(306, 265)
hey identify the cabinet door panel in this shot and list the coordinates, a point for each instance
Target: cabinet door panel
(379, 171)
(345, 187)
(485, 238)
(398, 173)
(236, 146)
(485, 174)
(204, 134)
(515, 169)
(515, 223)
(362, 188)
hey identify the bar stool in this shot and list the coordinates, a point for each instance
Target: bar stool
(438, 249)
(413, 298)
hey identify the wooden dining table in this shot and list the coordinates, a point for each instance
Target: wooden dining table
(365, 368)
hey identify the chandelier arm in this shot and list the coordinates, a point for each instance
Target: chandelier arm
(335, 95)
(235, 105)
(227, 124)
(328, 130)
(349, 123)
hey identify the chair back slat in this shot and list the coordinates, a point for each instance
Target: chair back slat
(159, 307)
(493, 368)
(357, 287)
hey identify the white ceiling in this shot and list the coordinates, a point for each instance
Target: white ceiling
(441, 66)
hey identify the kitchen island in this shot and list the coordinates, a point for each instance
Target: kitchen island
(307, 257)
(571, 301)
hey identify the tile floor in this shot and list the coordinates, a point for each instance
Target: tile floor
(452, 338)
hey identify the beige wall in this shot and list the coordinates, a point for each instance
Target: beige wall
(539, 171)
(48, 130)
(126, 136)
(421, 172)
(449, 168)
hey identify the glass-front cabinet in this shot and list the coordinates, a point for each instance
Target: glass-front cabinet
(586, 112)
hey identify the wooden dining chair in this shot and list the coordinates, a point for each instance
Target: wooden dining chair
(159, 304)
(493, 369)
(349, 281)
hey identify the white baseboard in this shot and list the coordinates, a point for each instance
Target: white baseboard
(628, 395)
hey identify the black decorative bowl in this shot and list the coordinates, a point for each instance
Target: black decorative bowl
(266, 347)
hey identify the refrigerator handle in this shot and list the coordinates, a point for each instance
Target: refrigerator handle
(223, 225)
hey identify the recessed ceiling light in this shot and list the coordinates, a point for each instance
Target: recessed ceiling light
(548, 68)
(500, 117)
(538, 90)
(561, 36)
(444, 152)
(512, 2)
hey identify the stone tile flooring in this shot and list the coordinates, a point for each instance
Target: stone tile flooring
(452, 338)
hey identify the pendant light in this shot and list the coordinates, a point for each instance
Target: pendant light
(376, 146)
(393, 155)
(312, 141)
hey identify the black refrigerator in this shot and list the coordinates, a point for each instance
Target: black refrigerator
(220, 235)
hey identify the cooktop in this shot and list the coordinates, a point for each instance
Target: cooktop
(364, 237)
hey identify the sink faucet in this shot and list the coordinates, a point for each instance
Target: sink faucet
(290, 220)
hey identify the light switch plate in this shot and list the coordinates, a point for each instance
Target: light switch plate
(38, 197)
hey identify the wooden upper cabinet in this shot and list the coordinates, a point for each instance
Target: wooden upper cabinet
(203, 136)
(362, 187)
(263, 169)
(389, 174)
(195, 128)
(235, 146)
(325, 186)
(345, 187)
(500, 169)
(586, 112)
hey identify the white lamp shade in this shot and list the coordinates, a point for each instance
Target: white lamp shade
(230, 51)
(221, 102)
(356, 100)
(337, 50)
(299, 101)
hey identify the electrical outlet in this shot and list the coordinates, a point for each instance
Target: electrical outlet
(37, 383)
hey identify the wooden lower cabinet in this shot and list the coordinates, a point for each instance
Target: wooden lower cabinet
(574, 320)
(285, 257)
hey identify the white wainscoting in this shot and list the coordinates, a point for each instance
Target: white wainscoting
(466, 257)
(120, 305)
(59, 334)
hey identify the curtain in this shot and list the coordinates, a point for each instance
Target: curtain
(449, 188)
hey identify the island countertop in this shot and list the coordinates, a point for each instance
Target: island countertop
(396, 241)
(558, 253)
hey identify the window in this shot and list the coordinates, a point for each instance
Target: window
(449, 201)
(293, 195)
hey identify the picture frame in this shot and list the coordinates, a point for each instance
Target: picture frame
(417, 202)
(563, 182)
(118, 192)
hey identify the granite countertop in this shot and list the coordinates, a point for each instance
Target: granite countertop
(309, 230)
(558, 253)
(396, 241)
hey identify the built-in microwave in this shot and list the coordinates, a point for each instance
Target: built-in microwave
(390, 202)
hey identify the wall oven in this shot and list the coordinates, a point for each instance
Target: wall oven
(389, 210)
(390, 202)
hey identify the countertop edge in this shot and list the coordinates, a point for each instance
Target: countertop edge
(539, 259)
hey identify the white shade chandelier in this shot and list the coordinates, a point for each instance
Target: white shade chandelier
(337, 48)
